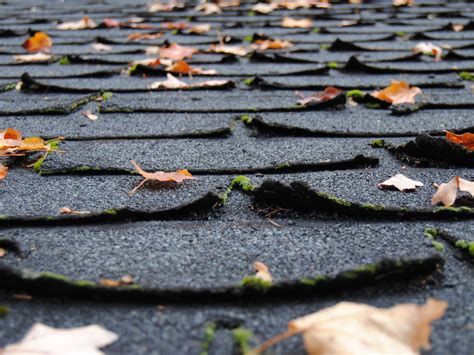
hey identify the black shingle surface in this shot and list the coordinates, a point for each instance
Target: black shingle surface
(313, 206)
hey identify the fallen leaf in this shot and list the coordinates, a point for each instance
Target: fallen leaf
(264, 8)
(175, 51)
(208, 8)
(40, 41)
(401, 183)
(355, 328)
(84, 23)
(264, 44)
(151, 62)
(177, 176)
(100, 47)
(174, 25)
(22, 297)
(262, 271)
(44, 340)
(12, 144)
(3, 252)
(465, 139)
(305, 4)
(296, 23)
(173, 83)
(124, 281)
(398, 92)
(32, 58)
(3, 171)
(457, 27)
(182, 67)
(138, 36)
(89, 115)
(70, 211)
(428, 48)
(203, 28)
(228, 3)
(328, 94)
(222, 48)
(403, 2)
(447, 192)
(159, 6)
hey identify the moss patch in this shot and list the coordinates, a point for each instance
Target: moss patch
(242, 337)
(465, 245)
(209, 335)
(241, 181)
(4, 311)
(355, 94)
(255, 283)
(466, 76)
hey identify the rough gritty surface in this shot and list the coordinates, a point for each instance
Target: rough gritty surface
(204, 235)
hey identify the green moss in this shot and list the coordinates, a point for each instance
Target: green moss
(466, 76)
(4, 311)
(106, 95)
(132, 69)
(4, 217)
(110, 211)
(53, 276)
(39, 163)
(246, 119)
(332, 65)
(462, 209)
(356, 94)
(242, 337)
(334, 199)
(377, 143)
(249, 81)
(9, 87)
(282, 166)
(251, 13)
(431, 233)
(84, 283)
(325, 46)
(400, 33)
(316, 30)
(255, 283)
(209, 335)
(373, 105)
(369, 206)
(248, 38)
(361, 270)
(313, 281)
(241, 181)
(467, 246)
(438, 246)
(64, 61)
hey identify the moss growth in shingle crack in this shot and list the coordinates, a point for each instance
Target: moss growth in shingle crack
(249, 81)
(355, 94)
(454, 210)
(64, 61)
(325, 46)
(465, 245)
(51, 276)
(247, 119)
(110, 211)
(431, 234)
(373, 105)
(4, 310)
(209, 335)
(106, 95)
(242, 338)
(313, 281)
(255, 283)
(241, 181)
(282, 166)
(54, 145)
(332, 65)
(466, 76)
(336, 200)
(9, 87)
(377, 143)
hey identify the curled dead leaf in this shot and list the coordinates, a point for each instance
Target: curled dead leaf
(354, 328)
(305, 4)
(465, 139)
(182, 67)
(42, 339)
(198, 29)
(264, 44)
(70, 211)
(123, 281)
(32, 58)
(264, 8)
(262, 272)
(3, 171)
(175, 51)
(208, 8)
(401, 183)
(177, 176)
(89, 115)
(222, 48)
(173, 83)
(147, 36)
(84, 23)
(328, 94)
(428, 48)
(12, 143)
(290, 22)
(169, 6)
(40, 41)
(100, 47)
(403, 2)
(398, 92)
(448, 192)
(3, 252)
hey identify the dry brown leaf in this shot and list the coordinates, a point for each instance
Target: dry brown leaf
(465, 139)
(264, 44)
(354, 328)
(138, 36)
(222, 48)
(264, 8)
(262, 272)
(3, 252)
(70, 211)
(3, 171)
(458, 27)
(182, 67)
(228, 3)
(124, 281)
(401, 183)
(296, 23)
(173, 83)
(22, 297)
(90, 115)
(208, 8)
(198, 29)
(305, 4)
(447, 192)
(403, 2)
(398, 92)
(40, 41)
(99, 47)
(84, 23)
(174, 25)
(428, 48)
(44, 340)
(177, 176)
(328, 94)
(175, 51)
(158, 6)
(12, 144)
(32, 58)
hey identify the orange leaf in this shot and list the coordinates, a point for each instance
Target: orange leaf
(32, 143)
(148, 36)
(328, 94)
(175, 25)
(178, 176)
(3, 171)
(271, 44)
(176, 52)
(38, 42)
(398, 92)
(221, 48)
(296, 23)
(182, 67)
(13, 134)
(466, 139)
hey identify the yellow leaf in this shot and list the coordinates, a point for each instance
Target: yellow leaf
(398, 92)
